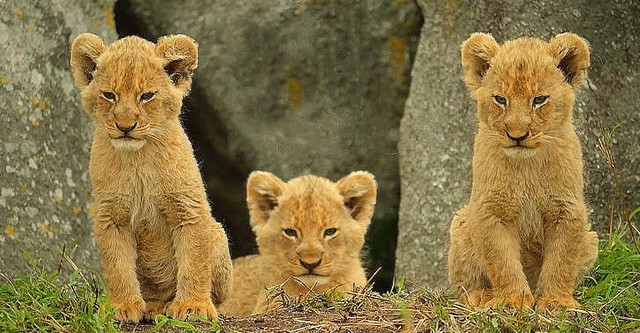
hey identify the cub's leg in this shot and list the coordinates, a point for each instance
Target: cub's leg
(115, 243)
(466, 276)
(569, 250)
(221, 267)
(589, 252)
(192, 238)
(497, 246)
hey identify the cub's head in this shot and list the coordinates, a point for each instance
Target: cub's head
(313, 228)
(525, 88)
(132, 87)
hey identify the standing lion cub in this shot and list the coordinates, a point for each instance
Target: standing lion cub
(523, 238)
(309, 232)
(160, 249)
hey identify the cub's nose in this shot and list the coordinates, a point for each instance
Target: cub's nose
(310, 266)
(519, 138)
(126, 129)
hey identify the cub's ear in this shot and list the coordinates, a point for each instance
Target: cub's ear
(85, 49)
(476, 53)
(572, 55)
(181, 59)
(359, 192)
(263, 190)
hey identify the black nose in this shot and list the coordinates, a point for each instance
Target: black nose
(518, 139)
(126, 130)
(311, 266)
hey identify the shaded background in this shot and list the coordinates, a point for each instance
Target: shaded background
(296, 87)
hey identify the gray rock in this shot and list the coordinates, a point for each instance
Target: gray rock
(44, 187)
(438, 126)
(292, 87)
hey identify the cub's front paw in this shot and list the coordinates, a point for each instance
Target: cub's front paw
(154, 308)
(524, 301)
(476, 298)
(182, 309)
(130, 312)
(557, 302)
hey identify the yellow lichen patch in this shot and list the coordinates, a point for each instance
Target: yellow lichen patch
(9, 230)
(4, 80)
(40, 103)
(294, 89)
(20, 14)
(57, 200)
(107, 9)
(399, 57)
(39, 159)
(76, 210)
(92, 210)
(46, 229)
(35, 123)
(25, 188)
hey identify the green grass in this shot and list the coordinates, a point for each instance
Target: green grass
(45, 302)
(71, 300)
(613, 287)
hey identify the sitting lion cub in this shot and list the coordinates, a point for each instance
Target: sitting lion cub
(309, 231)
(523, 238)
(160, 249)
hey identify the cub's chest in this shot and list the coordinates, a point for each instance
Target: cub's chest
(530, 223)
(133, 194)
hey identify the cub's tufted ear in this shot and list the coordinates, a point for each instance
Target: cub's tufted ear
(85, 50)
(263, 190)
(476, 53)
(572, 55)
(181, 55)
(359, 192)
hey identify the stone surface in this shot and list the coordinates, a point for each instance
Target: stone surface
(44, 186)
(438, 126)
(292, 87)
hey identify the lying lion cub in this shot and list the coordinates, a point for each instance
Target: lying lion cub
(160, 249)
(524, 236)
(309, 231)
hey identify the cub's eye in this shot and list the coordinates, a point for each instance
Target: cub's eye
(330, 232)
(149, 95)
(290, 232)
(109, 96)
(500, 100)
(539, 100)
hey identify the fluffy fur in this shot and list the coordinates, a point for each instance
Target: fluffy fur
(161, 250)
(523, 238)
(309, 232)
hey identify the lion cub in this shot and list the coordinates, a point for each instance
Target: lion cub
(523, 238)
(309, 231)
(160, 249)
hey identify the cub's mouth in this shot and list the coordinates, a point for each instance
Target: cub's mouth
(521, 147)
(125, 137)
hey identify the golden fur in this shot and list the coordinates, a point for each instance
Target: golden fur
(523, 238)
(309, 221)
(161, 250)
